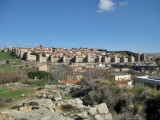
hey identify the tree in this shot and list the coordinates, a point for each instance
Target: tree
(44, 55)
(39, 75)
(60, 72)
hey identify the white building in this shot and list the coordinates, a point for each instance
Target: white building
(121, 77)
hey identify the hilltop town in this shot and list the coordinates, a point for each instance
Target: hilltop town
(77, 84)
(82, 55)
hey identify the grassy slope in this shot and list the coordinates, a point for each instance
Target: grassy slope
(11, 66)
(6, 56)
(15, 94)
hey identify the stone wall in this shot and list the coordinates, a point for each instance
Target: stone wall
(33, 57)
(26, 55)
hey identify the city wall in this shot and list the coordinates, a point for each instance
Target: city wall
(26, 55)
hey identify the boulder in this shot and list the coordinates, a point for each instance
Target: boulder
(98, 117)
(93, 110)
(102, 108)
(75, 102)
(22, 95)
(108, 116)
(83, 115)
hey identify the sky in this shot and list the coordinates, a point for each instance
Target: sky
(132, 25)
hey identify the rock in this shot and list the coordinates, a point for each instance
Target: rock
(108, 116)
(47, 103)
(41, 95)
(57, 97)
(98, 117)
(102, 108)
(22, 95)
(75, 102)
(83, 115)
(93, 110)
(40, 114)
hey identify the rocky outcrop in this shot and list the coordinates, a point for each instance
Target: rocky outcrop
(51, 104)
(39, 114)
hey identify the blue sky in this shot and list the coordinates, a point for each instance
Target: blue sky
(109, 24)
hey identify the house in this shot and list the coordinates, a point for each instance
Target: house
(43, 67)
(121, 77)
(124, 69)
(74, 77)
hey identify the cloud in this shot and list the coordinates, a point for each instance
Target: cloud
(109, 5)
(32, 44)
(106, 5)
(123, 3)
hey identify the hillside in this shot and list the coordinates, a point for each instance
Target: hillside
(6, 56)
(125, 53)
(153, 54)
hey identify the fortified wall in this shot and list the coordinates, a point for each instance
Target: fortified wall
(26, 55)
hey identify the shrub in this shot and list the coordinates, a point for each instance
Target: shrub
(39, 75)
(127, 116)
(15, 107)
(8, 100)
(2, 102)
(43, 55)
(11, 76)
(68, 107)
(153, 108)
(95, 93)
(124, 103)
(34, 53)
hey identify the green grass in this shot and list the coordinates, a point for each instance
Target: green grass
(18, 65)
(6, 56)
(15, 94)
(11, 66)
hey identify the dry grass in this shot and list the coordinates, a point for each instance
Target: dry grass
(11, 76)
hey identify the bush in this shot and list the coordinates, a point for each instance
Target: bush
(124, 103)
(127, 116)
(34, 53)
(153, 108)
(95, 93)
(68, 107)
(43, 55)
(15, 107)
(11, 76)
(39, 75)
(3, 101)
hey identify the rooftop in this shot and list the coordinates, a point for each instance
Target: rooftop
(148, 79)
